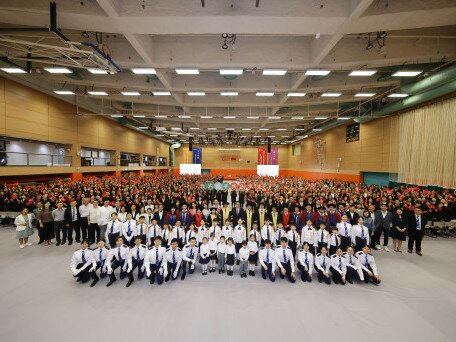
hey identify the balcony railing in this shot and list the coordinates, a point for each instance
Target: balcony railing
(96, 162)
(35, 159)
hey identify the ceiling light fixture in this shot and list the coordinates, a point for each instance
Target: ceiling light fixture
(264, 94)
(331, 94)
(317, 72)
(274, 72)
(362, 73)
(229, 93)
(63, 92)
(58, 70)
(320, 118)
(296, 94)
(196, 93)
(231, 71)
(397, 95)
(130, 93)
(253, 117)
(364, 94)
(184, 116)
(229, 117)
(275, 117)
(206, 117)
(161, 116)
(97, 93)
(187, 71)
(344, 118)
(14, 70)
(144, 71)
(97, 71)
(407, 73)
(297, 118)
(161, 93)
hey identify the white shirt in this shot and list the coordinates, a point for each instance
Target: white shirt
(265, 230)
(367, 260)
(239, 234)
(125, 256)
(353, 262)
(178, 233)
(153, 231)
(204, 250)
(325, 234)
(278, 234)
(344, 229)
(151, 258)
(256, 234)
(308, 235)
(126, 233)
(84, 210)
(339, 264)
(105, 215)
(322, 263)
(280, 258)
(252, 246)
(244, 254)
(142, 252)
(202, 233)
(293, 236)
(141, 229)
(216, 230)
(304, 256)
(113, 228)
(77, 259)
(94, 215)
(213, 244)
(361, 232)
(227, 231)
(230, 249)
(221, 247)
(267, 255)
(189, 253)
(177, 256)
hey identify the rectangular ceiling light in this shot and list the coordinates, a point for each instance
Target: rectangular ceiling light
(256, 136)
(206, 117)
(246, 129)
(212, 128)
(196, 93)
(187, 71)
(139, 116)
(231, 71)
(63, 92)
(161, 93)
(407, 73)
(160, 129)
(194, 128)
(275, 117)
(98, 71)
(97, 93)
(297, 118)
(14, 70)
(143, 127)
(253, 117)
(184, 116)
(159, 135)
(264, 129)
(320, 118)
(300, 129)
(296, 94)
(317, 72)
(144, 71)
(344, 118)
(161, 116)
(281, 129)
(264, 93)
(229, 93)
(362, 73)
(176, 129)
(58, 70)
(364, 94)
(229, 117)
(130, 93)
(331, 94)
(116, 116)
(274, 72)
(397, 95)
(316, 130)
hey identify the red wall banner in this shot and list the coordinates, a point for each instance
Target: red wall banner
(262, 156)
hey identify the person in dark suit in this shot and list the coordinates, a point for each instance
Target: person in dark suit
(160, 215)
(383, 222)
(72, 221)
(353, 216)
(233, 195)
(415, 227)
(238, 213)
(296, 218)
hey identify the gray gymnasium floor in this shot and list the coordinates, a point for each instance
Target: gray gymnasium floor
(39, 300)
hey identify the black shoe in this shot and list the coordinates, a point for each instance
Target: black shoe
(237, 262)
(320, 280)
(129, 283)
(183, 276)
(303, 278)
(94, 282)
(63, 242)
(263, 276)
(350, 281)
(70, 243)
(223, 271)
(220, 271)
(57, 244)
(40, 242)
(282, 276)
(309, 279)
(78, 280)
(78, 241)
(110, 282)
(253, 273)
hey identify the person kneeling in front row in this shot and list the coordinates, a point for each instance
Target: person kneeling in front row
(368, 265)
(119, 256)
(285, 260)
(155, 262)
(354, 270)
(174, 260)
(83, 264)
(189, 255)
(267, 261)
(322, 264)
(338, 267)
(305, 263)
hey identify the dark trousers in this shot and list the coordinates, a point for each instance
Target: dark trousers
(415, 237)
(59, 226)
(85, 275)
(345, 242)
(171, 269)
(321, 277)
(120, 264)
(305, 275)
(184, 267)
(100, 266)
(73, 226)
(84, 225)
(293, 246)
(92, 231)
(112, 239)
(336, 276)
(41, 232)
(287, 268)
(360, 243)
(367, 277)
(138, 263)
(352, 274)
(155, 274)
(267, 274)
(378, 235)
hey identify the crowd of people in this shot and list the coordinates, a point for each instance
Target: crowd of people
(163, 224)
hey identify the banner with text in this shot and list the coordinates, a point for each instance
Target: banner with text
(262, 156)
(197, 155)
(273, 156)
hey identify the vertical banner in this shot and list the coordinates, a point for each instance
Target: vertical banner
(262, 156)
(273, 156)
(197, 155)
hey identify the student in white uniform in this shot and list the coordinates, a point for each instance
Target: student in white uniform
(267, 232)
(155, 262)
(354, 270)
(338, 267)
(204, 255)
(83, 264)
(113, 230)
(153, 231)
(368, 265)
(322, 265)
(345, 233)
(267, 261)
(167, 235)
(174, 259)
(334, 241)
(203, 232)
(221, 250)
(138, 253)
(100, 254)
(238, 237)
(278, 234)
(213, 241)
(119, 256)
(308, 234)
(179, 234)
(293, 239)
(243, 259)
(129, 230)
(256, 233)
(227, 230)
(252, 246)
(149, 216)
(230, 256)
(360, 235)
(190, 233)
(142, 228)
(285, 260)
(189, 255)
(321, 238)
(216, 230)
(305, 262)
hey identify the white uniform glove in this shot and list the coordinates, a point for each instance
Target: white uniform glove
(148, 274)
(92, 269)
(175, 273)
(165, 274)
(129, 268)
(109, 268)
